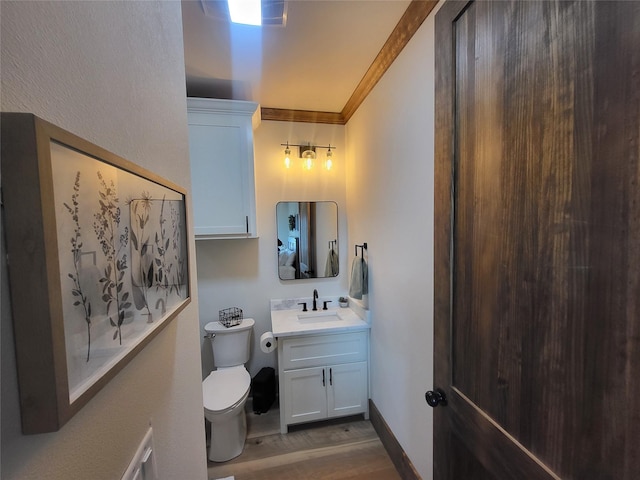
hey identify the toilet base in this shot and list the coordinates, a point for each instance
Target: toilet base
(228, 437)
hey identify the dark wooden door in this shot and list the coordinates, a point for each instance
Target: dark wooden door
(537, 256)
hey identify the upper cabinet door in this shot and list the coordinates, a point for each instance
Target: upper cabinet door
(222, 174)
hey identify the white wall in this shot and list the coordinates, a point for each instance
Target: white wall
(113, 73)
(390, 145)
(243, 273)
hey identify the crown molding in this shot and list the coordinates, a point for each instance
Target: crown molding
(306, 116)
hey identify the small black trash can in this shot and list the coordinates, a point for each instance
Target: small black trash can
(264, 390)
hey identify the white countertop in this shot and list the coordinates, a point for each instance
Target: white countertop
(295, 322)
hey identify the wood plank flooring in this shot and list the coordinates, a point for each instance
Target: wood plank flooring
(346, 449)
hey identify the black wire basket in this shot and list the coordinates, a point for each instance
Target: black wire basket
(230, 317)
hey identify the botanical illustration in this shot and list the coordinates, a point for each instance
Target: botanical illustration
(123, 260)
(158, 252)
(113, 242)
(164, 267)
(179, 246)
(170, 260)
(76, 249)
(143, 274)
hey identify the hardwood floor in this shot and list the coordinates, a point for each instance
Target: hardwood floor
(345, 449)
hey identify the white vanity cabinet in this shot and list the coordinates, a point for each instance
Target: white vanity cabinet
(222, 172)
(323, 376)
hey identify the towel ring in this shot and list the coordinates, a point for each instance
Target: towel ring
(363, 247)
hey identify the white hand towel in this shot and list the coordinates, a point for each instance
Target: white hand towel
(331, 269)
(359, 278)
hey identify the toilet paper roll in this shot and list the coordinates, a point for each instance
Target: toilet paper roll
(268, 343)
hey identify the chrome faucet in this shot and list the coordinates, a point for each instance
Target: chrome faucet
(315, 297)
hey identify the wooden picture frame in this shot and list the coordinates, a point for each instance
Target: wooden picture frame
(98, 264)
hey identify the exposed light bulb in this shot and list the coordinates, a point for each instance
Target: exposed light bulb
(307, 157)
(328, 163)
(308, 163)
(287, 157)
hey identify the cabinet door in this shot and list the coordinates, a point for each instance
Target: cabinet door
(305, 395)
(219, 176)
(347, 389)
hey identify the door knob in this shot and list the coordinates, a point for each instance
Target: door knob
(436, 397)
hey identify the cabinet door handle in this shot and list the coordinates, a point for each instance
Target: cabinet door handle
(323, 384)
(331, 376)
(246, 219)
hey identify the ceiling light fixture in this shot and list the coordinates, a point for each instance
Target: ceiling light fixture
(308, 154)
(274, 12)
(246, 12)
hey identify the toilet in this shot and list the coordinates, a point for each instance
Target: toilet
(226, 389)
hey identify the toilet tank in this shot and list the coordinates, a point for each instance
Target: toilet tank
(231, 345)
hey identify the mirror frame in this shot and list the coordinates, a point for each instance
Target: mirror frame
(311, 243)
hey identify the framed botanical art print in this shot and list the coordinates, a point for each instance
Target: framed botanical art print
(98, 264)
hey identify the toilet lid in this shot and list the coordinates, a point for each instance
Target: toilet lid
(217, 327)
(225, 387)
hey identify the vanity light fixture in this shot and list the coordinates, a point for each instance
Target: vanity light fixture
(308, 154)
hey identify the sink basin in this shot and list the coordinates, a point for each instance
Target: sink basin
(316, 317)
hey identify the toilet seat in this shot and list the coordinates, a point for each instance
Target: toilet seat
(224, 388)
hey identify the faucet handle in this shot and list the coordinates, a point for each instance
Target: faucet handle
(325, 304)
(304, 306)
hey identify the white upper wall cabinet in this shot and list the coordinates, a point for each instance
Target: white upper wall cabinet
(222, 178)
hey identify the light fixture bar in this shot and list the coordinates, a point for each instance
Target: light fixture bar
(246, 12)
(330, 147)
